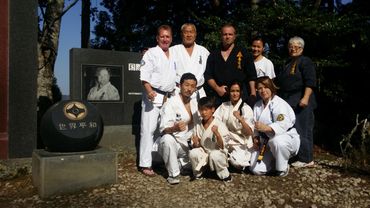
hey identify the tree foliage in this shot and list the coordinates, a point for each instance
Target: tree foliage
(333, 36)
(130, 25)
(337, 38)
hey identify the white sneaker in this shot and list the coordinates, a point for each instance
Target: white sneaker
(258, 173)
(299, 164)
(228, 179)
(196, 178)
(173, 180)
(283, 173)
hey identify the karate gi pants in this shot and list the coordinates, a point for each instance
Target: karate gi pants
(148, 131)
(173, 154)
(280, 149)
(216, 159)
(240, 156)
(304, 124)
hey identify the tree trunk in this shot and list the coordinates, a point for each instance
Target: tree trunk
(85, 24)
(317, 4)
(48, 47)
(254, 4)
(216, 3)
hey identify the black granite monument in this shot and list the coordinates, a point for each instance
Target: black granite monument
(71, 126)
(125, 72)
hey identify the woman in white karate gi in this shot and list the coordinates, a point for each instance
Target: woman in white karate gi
(209, 141)
(274, 122)
(238, 117)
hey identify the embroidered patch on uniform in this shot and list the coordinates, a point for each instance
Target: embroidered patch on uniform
(142, 63)
(240, 56)
(280, 117)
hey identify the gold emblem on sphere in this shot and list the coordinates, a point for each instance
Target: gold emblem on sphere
(75, 110)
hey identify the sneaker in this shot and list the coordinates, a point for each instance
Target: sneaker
(186, 172)
(246, 170)
(259, 173)
(173, 180)
(227, 179)
(283, 173)
(196, 178)
(299, 164)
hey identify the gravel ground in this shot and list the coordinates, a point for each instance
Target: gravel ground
(325, 185)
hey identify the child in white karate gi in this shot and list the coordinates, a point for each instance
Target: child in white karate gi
(209, 141)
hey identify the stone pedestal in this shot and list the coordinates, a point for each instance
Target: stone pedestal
(58, 173)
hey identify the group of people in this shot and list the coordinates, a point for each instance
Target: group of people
(206, 110)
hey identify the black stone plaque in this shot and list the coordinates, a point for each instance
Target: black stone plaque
(71, 126)
(125, 76)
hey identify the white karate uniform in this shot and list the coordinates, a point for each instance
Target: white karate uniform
(194, 63)
(239, 145)
(208, 153)
(174, 147)
(264, 67)
(284, 143)
(159, 71)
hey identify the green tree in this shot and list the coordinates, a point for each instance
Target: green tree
(50, 17)
(336, 35)
(130, 25)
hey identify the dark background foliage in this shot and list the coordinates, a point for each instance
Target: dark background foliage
(337, 39)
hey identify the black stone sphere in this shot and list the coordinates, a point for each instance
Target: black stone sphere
(71, 126)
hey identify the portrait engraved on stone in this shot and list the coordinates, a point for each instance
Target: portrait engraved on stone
(102, 83)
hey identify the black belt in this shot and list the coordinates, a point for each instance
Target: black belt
(290, 128)
(167, 94)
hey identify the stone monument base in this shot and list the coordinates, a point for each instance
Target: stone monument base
(57, 173)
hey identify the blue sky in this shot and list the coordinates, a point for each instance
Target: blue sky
(70, 37)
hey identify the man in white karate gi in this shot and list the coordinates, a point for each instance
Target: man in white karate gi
(190, 57)
(157, 75)
(177, 123)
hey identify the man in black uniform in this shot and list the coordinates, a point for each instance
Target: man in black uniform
(228, 64)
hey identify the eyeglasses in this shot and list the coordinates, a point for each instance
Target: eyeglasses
(294, 47)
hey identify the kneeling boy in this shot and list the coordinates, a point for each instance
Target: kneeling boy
(209, 141)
